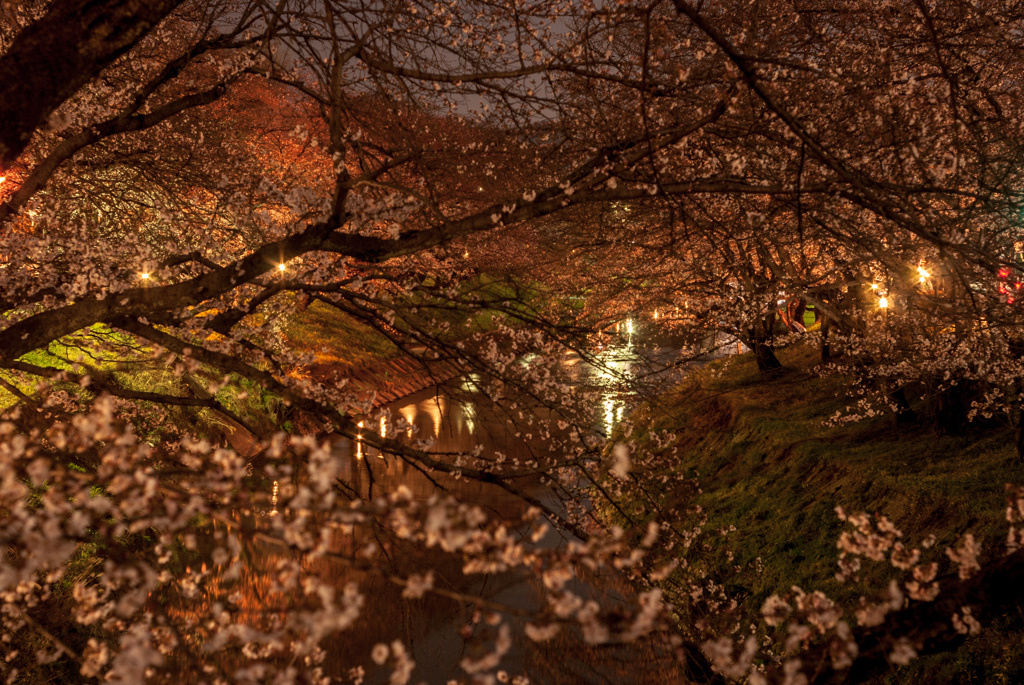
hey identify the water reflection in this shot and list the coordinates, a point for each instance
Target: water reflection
(438, 632)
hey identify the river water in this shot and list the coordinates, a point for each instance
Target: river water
(437, 631)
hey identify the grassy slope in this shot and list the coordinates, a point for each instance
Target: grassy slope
(338, 338)
(769, 466)
(335, 337)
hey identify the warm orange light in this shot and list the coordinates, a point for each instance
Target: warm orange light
(2, 179)
(281, 267)
(883, 302)
(144, 276)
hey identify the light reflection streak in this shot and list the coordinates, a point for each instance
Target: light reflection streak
(409, 414)
(435, 408)
(469, 416)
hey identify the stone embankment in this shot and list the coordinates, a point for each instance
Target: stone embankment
(391, 379)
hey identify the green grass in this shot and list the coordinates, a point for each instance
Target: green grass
(770, 466)
(335, 337)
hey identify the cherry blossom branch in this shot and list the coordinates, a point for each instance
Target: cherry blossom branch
(58, 54)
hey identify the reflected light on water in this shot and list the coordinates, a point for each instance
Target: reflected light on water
(409, 414)
(261, 605)
(469, 416)
(435, 408)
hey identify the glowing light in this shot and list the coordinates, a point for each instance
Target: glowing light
(923, 273)
(383, 427)
(629, 326)
(144, 276)
(436, 409)
(273, 500)
(409, 413)
(359, 443)
(281, 267)
(469, 416)
(2, 179)
(465, 254)
(874, 286)
(609, 415)
(655, 314)
(883, 302)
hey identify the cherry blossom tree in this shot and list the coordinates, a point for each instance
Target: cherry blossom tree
(180, 178)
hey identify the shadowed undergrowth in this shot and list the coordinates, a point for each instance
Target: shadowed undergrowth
(770, 466)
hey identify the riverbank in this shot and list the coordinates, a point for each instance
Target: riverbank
(770, 466)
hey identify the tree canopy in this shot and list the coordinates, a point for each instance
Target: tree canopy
(200, 198)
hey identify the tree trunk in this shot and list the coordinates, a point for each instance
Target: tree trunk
(904, 414)
(767, 362)
(951, 407)
(759, 340)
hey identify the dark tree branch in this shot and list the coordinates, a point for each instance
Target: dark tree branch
(55, 56)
